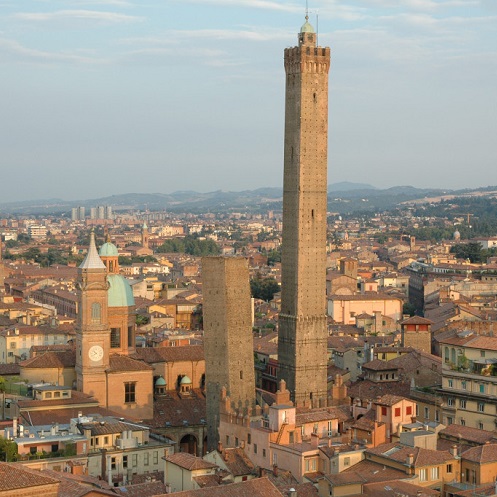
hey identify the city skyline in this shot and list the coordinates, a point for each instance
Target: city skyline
(190, 95)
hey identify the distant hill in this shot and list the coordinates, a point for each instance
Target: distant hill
(346, 186)
(344, 198)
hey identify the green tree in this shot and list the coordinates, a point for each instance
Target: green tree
(8, 450)
(264, 288)
(472, 251)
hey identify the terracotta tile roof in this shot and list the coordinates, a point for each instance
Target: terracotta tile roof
(305, 415)
(393, 488)
(389, 400)
(47, 360)
(170, 354)
(422, 457)
(9, 369)
(378, 365)
(189, 461)
(15, 477)
(237, 462)
(119, 363)
(467, 433)
(63, 416)
(417, 320)
(369, 390)
(373, 472)
(345, 478)
(79, 485)
(258, 487)
(208, 480)
(76, 398)
(367, 422)
(303, 489)
(175, 410)
(483, 454)
(107, 428)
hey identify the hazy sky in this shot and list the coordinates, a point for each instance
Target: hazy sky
(112, 96)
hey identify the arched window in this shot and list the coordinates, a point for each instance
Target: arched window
(96, 312)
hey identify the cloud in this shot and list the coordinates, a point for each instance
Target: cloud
(254, 4)
(11, 50)
(76, 15)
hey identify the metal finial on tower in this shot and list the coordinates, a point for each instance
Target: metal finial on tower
(306, 10)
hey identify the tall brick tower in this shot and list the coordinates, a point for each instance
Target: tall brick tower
(92, 332)
(229, 355)
(302, 332)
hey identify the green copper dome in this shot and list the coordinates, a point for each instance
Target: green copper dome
(108, 249)
(186, 381)
(161, 382)
(120, 293)
(306, 27)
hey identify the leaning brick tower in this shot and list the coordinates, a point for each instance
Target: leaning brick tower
(302, 355)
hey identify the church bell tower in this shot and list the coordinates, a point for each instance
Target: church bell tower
(92, 333)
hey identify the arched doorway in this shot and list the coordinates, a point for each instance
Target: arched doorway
(188, 444)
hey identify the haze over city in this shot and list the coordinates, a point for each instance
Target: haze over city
(115, 96)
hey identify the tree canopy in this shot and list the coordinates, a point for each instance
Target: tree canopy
(190, 245)
(264, 288)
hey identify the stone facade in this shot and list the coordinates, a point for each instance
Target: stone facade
(229, 358)
(302, 320)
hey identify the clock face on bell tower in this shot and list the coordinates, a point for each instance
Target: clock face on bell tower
(96, 353)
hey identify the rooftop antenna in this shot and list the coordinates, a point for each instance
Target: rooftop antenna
(317, 28)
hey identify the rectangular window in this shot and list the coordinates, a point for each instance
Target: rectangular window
(450, 401)
(480, 426)
(106, 440)
(115, 338)
(422, 474)
(291, 437)
(346, 461)
(249, 438)
(96, 441)
(113, 463)
(448, 469)
(462, 422)
(236, 441)
(463, 385)
(263, 452)
(462, 403)
(482, 353)
(481, 407)
(427, 413)
(125, 462)
(134, 460)
(450, 420)
(227, 440)
(435, 474)
(130, 392)
(130, 337)
(437, 416)
(482, 388)
(408, 410)
(255, 448)
(146, 458)
(397, 412)
(156, 457)
(383, 411)
(451, 383)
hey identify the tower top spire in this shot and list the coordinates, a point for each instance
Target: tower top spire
(306, 27)
(92, 259)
